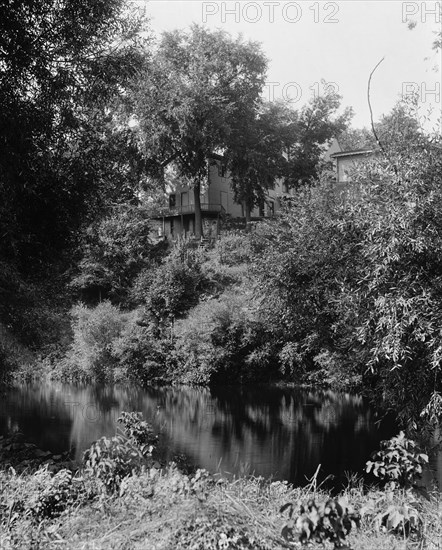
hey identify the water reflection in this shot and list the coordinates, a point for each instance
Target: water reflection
(284, 433)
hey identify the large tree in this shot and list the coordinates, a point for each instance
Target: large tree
(280, 142)
(313, 127)
(197, 90)
(256, 155)
(354, 287)
(61, 64)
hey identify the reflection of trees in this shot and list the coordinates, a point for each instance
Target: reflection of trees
(37, 413)
(283, 431)
(279, 431)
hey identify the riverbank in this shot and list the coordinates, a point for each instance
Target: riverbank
(166, 509)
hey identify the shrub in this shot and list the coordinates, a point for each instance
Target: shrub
(57, 492)
(112, 460)
(143, 355)
(138, 430)
(234, 248)
(95, 331)
(172, 288)
(117, 248)
(7, 366)
(330, 521)
(354, 279)
(223, 341)
(396, 512)
(399, 462)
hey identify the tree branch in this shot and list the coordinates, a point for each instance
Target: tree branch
(378, 141)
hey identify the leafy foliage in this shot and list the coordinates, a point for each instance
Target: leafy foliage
(351, 280)
(138, 430)
(116, 249)
(400, 514)
(59, 72)
(63, 69)
(399, 462)
(112, 460)
(329, 521)
(95, 331)
(58, 492)
(174, 286)
(192, 98)
(142, 355)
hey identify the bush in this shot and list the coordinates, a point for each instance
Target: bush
(173, 288)
(142, 354)
(353, 280)
(234, 248)
(7, 366)
(331, 520)
(57, 493)
(117, 248)
(399, 462)
(95, 331)
(112, 460)
(223, 341)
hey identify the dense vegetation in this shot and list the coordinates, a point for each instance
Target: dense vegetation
(342, 288)
(121, 495)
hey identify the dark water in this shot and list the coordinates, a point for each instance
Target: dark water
(283, 433)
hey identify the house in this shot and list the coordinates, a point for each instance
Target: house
(347, 161)
(218, 205)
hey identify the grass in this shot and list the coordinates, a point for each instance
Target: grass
(166, 509)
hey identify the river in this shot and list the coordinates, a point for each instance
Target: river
(282, 433)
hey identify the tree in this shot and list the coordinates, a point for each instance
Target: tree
(198, 88)
(313, 126)
(256, 154)
(353, 287)
(279, 142)
(356, 138)
(61, 64)
(116, 249)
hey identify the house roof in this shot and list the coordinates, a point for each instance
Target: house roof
(353, 153)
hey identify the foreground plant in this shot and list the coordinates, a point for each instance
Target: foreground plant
(399, 463)
(112, 460)
(330, 521)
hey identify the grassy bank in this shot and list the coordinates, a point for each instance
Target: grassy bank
(121, 497)
(166, 509)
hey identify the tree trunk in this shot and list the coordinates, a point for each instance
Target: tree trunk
(198, 216)
(248, 212)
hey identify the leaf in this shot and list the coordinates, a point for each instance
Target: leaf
(285, 507)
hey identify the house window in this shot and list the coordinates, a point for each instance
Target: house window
(271, 208)
(285, 187)
(222, 169)
(261, 210)
(172, 201)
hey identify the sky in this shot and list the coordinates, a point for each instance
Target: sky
(339, 42)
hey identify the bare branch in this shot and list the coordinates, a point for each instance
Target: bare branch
(378, 141)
